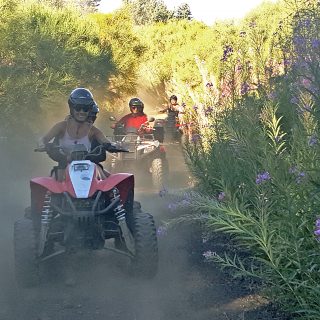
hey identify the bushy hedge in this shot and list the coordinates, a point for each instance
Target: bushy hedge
(176, 48)
(45, 52)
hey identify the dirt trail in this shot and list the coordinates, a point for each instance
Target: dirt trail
(182, 290)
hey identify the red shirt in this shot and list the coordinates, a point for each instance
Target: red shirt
(131, 121)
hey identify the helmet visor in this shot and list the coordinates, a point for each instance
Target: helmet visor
(83, 107)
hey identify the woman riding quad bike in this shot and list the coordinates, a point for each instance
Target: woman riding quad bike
(83, 205)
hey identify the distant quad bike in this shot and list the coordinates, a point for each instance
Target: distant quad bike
(80, 209)
(146, 153)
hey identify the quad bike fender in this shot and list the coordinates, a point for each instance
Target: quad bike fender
(52, 185)
(123, 181)
(39, 186)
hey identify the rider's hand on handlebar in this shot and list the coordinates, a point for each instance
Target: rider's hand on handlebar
(40, 146)
(114, 147)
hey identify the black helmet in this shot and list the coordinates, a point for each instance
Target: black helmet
(93, 113)
(136, 102)
(81, 97)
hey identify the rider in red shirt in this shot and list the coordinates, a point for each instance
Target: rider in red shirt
(134, 121)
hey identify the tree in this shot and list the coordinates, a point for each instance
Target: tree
(183, 12)
(89, 5)
(84, 5)
(148, 11)
(161, 12)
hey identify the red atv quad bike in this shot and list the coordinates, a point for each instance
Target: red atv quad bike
(80, 209)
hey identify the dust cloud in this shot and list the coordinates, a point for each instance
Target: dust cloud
(103, 289)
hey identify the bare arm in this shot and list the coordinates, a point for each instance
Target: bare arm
(165, 106)
(55, 131)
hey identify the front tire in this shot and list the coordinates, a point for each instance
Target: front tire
(25, 253)
(145, 262)
(158, 170)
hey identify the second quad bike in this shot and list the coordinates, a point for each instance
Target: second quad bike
(146, 156)
(80, 207)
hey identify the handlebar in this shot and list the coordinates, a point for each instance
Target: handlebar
(107, 146)
(113, 147)
(48, 147)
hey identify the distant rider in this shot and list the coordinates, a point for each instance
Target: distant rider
(173, 111)
(136, 121)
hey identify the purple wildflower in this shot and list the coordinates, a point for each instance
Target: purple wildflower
(300, 177)
(172, 206)
(272, 95)
(242, 33)
(163, 192)
(184, 202)
(195, 138)
(269, 69)
(209, 85)
(315, 43)
(299, 40)
(303, 109)
(162, 231)
(205, 238)
(244, 88)
(294, 100)
(195, 108)
(263, 176)
(313, 141)
(293, 169)
(221, 196)
(305, 23)
(306, 83)
(286, 62)
(317, 230)
(277, 139)
(208, 111)
(307, 108)
(187, 196)
(209, 254)
(228, 50)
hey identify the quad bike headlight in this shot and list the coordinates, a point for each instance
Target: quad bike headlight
(148, 149)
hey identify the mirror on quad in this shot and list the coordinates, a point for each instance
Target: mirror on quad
(151, 119)
(112, 118)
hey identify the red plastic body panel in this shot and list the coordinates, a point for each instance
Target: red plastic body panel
(39, 186)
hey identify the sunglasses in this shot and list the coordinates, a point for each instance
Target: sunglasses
(134, 107)
(84, 108)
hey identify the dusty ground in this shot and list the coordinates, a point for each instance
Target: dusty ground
(184, 289)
